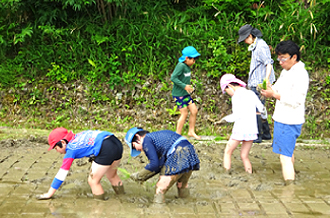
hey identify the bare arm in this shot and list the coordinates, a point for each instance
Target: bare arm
(268, 72)
(47, 195)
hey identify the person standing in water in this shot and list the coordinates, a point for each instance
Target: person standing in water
(244, 104)
(170, 154)
(290, 92)
(103, 147)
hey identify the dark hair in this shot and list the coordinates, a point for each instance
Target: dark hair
(59, 143)
(140, 133)
(288, 47)
(234, 84)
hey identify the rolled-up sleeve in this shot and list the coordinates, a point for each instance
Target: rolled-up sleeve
(264, 55)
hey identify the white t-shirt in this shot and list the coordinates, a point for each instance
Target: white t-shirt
(292, 85)
(244, 104)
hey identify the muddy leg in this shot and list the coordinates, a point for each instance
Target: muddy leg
(114, 179)
(95, 176)
(287, 167)
(245, 150)
(119, 188)
(182, 185)
(163, 185)
(230, 147)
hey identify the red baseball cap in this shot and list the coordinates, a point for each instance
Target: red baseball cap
(57, 135)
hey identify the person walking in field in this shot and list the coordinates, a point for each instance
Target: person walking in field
(290, 92)
(182, 89)
(261, 67)
(244, 104)
(170, 154)
(103, 147)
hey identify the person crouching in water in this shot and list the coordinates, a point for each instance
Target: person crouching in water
(102, 146)
(245, 130)
(169, 153)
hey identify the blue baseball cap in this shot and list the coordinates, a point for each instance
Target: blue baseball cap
(128, 139)
(189, 51)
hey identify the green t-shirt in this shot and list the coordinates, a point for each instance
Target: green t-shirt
(180, 78)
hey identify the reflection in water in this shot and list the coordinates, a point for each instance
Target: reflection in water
(288, 193)
(89, 208)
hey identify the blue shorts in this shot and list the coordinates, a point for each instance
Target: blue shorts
(284, 139)
(183, 101)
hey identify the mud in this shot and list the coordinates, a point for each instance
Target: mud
(27, 169)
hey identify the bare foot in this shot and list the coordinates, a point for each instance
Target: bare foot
(195, 136)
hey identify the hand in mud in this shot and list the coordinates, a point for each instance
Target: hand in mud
(136, 178)
(43, 197)
(142, 175)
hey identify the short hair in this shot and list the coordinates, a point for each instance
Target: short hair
(288, 47)
(140, 133)
(59, 143)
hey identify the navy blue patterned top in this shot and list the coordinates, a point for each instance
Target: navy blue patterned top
(156, 145)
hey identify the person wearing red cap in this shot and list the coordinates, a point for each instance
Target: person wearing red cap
(244, 104)
(102, 147)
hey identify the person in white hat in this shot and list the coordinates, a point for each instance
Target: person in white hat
(244, 104)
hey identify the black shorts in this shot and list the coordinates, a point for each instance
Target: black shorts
(111, 150)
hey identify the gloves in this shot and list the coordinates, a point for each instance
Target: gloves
(142, 176)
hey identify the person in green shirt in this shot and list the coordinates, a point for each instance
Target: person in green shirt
(182, 89)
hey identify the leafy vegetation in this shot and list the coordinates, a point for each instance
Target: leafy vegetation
(113, 55)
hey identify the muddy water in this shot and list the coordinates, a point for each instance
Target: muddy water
(27, 169)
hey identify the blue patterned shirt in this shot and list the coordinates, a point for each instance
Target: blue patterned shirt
(84, 144)
(156, 145)
(259, 59)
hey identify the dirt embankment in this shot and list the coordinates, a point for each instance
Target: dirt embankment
(81, 106)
